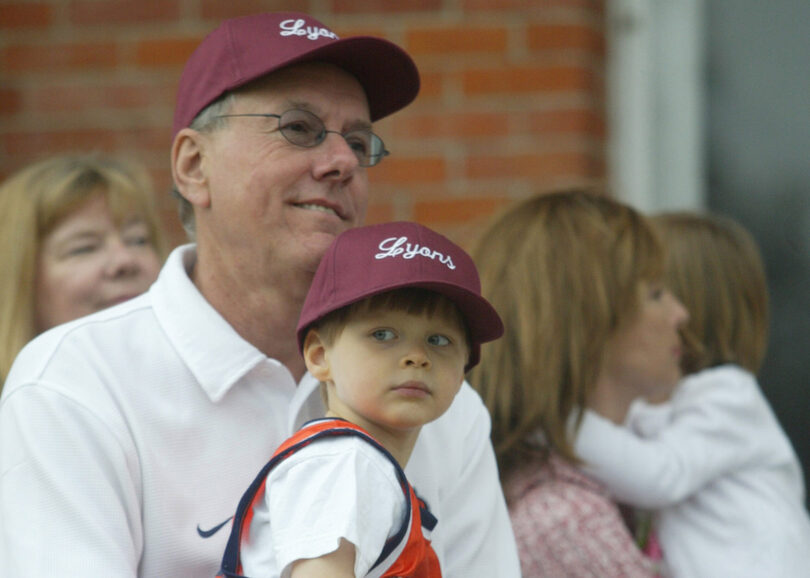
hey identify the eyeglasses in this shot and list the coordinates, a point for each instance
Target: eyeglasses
(304, 129)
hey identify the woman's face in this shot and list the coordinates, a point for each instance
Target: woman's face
(644, 356)
(87, 263)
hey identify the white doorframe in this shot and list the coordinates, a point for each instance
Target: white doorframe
(655, 103)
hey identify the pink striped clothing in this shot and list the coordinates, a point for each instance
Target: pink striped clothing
(566, 525)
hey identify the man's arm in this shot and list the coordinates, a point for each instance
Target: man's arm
(69, 505)
(456, 453)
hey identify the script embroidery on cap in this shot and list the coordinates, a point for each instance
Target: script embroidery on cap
(297, 28)
(393, 247)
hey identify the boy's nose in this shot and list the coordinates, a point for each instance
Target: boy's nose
(416, 357)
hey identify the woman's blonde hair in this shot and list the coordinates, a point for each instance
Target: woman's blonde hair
(32, 202)
(715, 269)
(563, 270)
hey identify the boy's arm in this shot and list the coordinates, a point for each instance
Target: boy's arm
(337, 564)
(713, 430)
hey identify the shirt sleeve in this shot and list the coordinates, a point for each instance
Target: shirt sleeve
(67, 479)
(717, 424)
(563, 532)
(328, 490)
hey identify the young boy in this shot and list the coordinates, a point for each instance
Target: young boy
(393, 320)
(714, 460)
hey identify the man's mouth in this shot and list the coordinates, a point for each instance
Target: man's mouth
(321, 208)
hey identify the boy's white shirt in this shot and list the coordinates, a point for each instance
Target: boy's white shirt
(335, 488)
(716, 463)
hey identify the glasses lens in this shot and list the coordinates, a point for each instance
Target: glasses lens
(301, 128)
(304, 129)
(363, 143)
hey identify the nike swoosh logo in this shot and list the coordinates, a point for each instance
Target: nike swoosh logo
(212, 531)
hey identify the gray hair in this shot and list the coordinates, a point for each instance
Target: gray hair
(207, 120)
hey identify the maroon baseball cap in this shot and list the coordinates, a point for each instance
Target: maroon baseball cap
(375, 259)
(243, 49)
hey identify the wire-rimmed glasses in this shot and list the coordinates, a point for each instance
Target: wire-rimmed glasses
(304, 129)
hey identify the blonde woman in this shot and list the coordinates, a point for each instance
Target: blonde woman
(78, 233)
(576, 278)
(714, 460)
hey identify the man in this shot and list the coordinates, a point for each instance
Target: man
(127, 437)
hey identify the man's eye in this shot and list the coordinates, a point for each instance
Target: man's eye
(438, 340)
(299, 126)
(358, 144)
(383, 334)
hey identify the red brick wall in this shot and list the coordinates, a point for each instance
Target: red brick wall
(512, 96)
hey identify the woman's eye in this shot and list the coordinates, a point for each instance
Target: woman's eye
(383, 334)
(438, 340)
(81, 249)
(136, 240)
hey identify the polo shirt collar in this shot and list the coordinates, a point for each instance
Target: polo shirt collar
(213, 351)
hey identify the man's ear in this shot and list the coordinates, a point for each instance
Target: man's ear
(188, 154)
(315, 356)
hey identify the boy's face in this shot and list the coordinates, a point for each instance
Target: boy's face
(390, 369)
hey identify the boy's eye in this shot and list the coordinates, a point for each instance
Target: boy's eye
(383, 334)
(438, 340)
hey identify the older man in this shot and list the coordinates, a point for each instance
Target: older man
(127, 437)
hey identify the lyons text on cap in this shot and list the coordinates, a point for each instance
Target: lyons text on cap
(244, 49)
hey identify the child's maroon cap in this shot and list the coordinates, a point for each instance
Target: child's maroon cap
(243, 49)
(376, 259)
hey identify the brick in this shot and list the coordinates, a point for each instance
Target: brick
(430, 84)
(379, 213)
(457, 40)
(10, 102)
(527, 79)
(15, 15)
(571, 121)
(218, 10)
(33, 144)
(126, 12)
(547, 37)
(155, 138)
(59, 57)
(84, 96)
(537, 5)
(384, 6)
(455, 210)
(455, 125)
(528, 166)
(167, 52)
(409, 170)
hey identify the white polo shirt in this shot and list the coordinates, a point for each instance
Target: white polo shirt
(128, 436)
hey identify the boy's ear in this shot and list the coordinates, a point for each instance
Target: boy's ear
(315, 356)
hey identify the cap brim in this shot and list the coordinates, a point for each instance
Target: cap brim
(385, 71)
(483, 321)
